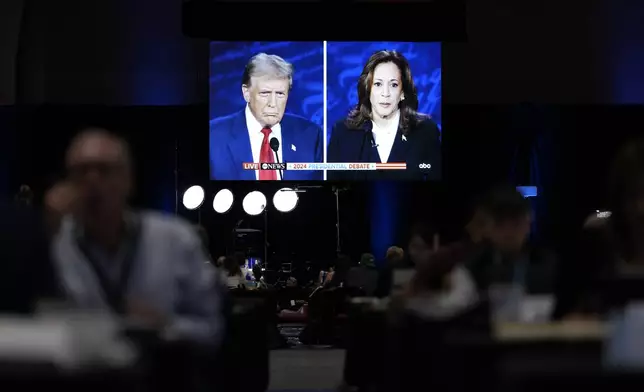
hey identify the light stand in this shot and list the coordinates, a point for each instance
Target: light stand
(265, 236)
(234, 236)
(338, 243)
(176, 176)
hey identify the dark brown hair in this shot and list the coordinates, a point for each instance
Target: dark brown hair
(394, 255)
(504, 203)
(409, 115)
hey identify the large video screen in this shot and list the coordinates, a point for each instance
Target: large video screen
(340, 111)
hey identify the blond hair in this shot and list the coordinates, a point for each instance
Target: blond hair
(395, 252)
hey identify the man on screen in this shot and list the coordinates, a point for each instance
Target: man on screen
(248, 135)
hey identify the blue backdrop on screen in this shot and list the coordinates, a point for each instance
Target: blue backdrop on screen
(345, 61)
(227, 63)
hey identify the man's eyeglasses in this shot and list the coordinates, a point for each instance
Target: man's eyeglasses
(103, 169)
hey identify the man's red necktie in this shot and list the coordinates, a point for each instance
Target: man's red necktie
(266, 156)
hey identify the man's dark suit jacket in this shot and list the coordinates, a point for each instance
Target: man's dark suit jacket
(594, 260)
(420, 146)
(480, 261)
(540, 273)
(26, 270)
(302, 141)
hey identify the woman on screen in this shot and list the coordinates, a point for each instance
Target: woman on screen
(385, 126)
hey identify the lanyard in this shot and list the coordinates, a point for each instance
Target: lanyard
(115, 290)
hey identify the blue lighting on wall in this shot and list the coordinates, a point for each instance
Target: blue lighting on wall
(384, 212)
(625, 56)
(528, 191)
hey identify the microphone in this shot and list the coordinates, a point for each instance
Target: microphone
(275, 146)
(368, 128)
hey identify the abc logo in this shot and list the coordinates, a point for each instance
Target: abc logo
(264, 166)
(424, 166)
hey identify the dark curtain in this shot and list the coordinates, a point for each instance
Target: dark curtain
(11, 15)
(544, 52)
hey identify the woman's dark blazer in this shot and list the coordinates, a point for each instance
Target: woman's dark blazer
(420, 149)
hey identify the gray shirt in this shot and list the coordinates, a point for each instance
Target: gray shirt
(168, 272)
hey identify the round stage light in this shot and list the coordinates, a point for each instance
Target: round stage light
(223, 201)
(193, 197)
(254, 203)
(285, 200)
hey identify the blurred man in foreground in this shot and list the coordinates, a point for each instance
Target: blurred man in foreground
(144, 266)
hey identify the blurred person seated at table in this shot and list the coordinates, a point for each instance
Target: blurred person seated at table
(235, 278)
(610, 249)
(363, 278)
(306, 274)
(342, 266)
(394, 259)
(325, 275)
(516, 277)
(27, 273)
(310, 275)
(495, 260)
(325, 299)
(292, 297)
(504, 255)
(258, 275)
(240, 258)
(141, 265)
(445, 258)
(441, 286)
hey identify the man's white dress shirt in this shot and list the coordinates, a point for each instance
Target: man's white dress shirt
(256, 138)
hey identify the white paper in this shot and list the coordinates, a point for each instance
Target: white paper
(625, 346)
(536, 308)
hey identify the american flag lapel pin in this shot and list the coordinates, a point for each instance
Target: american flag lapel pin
(293, 147)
